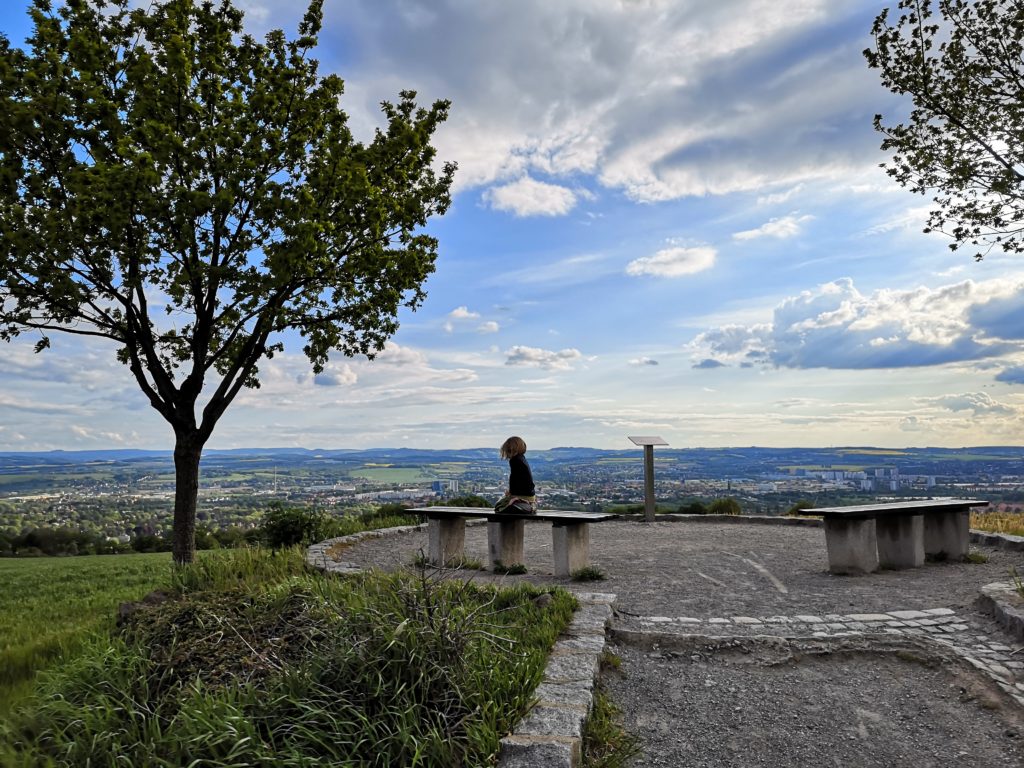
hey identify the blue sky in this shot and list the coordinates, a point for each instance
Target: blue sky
(669, 219)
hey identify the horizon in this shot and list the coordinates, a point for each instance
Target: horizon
(668, 219)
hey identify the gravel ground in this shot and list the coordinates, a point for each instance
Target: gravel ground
(707, 569)
(745, 701)
(745, 706)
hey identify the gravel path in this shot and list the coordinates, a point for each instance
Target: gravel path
(701, 688)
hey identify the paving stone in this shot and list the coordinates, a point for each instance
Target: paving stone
(553, 721)
(809, 619)
(838, 627)
(687, 620)
(745, 620)
(939, 611)
(867, 617)
(895, 624)
(718, 621)
(909, 614)
(958, 627)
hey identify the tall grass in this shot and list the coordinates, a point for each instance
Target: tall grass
(48, 606)
(259, 663)
(998, 522)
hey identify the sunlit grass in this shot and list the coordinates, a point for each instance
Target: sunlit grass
(998, 522)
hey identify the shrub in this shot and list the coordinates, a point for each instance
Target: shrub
(725, 506)
(587, 573)
(290, 526)
(799, 507)
(693, 508)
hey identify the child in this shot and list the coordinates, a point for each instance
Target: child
(520, 497)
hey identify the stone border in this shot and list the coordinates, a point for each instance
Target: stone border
(1000, 540)
(551, 734)
(1001, 601)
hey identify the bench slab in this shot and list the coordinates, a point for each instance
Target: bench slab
(570, 533)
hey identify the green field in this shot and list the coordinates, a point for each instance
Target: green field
(49, 605)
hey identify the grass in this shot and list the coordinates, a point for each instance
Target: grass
(587, 573)
(513, 569)
(420, 560)
(606, 744)
(258, 661)
(998, 522)
(976, 557)
(49, 607)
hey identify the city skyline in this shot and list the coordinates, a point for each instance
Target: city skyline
(668, 219)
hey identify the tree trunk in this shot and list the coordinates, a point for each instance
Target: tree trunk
(188, 448)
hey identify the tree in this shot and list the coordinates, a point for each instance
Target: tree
(173, 185)
(962, 142)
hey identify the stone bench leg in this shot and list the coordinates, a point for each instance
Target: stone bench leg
(900, 541)
(447, 540)
(505, 541)
(572, 548)
(851, 545)
(947, 535)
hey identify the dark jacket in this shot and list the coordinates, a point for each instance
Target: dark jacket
(520, 478)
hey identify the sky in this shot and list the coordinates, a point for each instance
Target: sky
(668, 219)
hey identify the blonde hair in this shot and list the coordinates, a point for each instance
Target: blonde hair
(514, 446)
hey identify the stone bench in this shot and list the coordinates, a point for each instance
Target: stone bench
(861, 539)
(570, 533)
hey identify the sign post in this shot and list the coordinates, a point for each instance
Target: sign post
(648, 442)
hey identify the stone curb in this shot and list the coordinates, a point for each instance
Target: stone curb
(809, 522)
(1001, 601)
(551, 734)
(316, 554)
(1000, 540)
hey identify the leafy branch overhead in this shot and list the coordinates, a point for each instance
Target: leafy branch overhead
(962, 142)
(188, 192)
(171, 184)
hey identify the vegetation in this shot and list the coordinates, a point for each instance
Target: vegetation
(49, 608)
(513, 569)
(798, 508)
(963, 67)
(725, 506)
(693, 508)
(587, 573)
(998, 522)
(606, 744)
(160, 151)
(257, 662)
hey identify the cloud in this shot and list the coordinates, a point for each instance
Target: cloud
(777, 198)
(542, 358)
(529, 197)
(673, 262)
(463, 313)
(787, 226)
(573, 270)
(659, 100)
(979, 403)
(835, 326)
(489, 327)
(642, 361)
(708, 364)
(336, 376)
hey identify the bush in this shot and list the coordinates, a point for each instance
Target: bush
(693, 508)
(291, 526)
(725, 506)
(799, 507)
(470, 500)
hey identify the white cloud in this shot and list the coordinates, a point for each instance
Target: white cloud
(979, 403)
(489, 327)
(776, 198)
(785, 227)
(643, 361)
(673, 262)
(463, 313)
(529, 197)
(836, 326)
(573, 270)
(336, 376)
(542, 358)
(657, 99)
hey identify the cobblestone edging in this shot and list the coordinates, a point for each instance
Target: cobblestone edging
(551, 734)
(1002, 601)
(943, 626)
(1000, 540)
